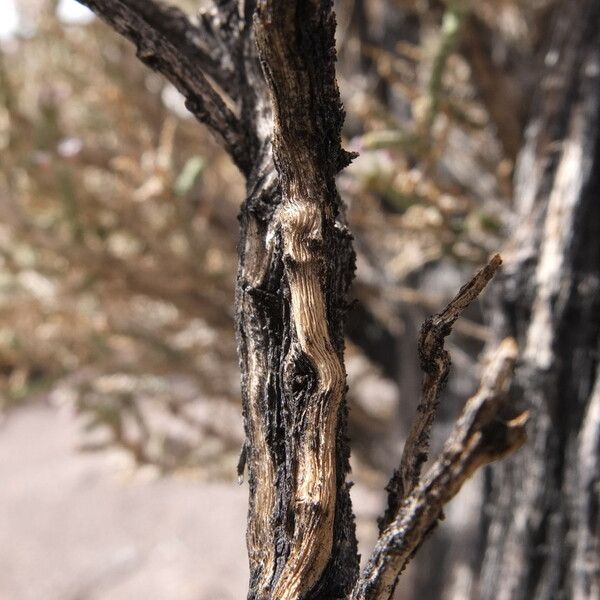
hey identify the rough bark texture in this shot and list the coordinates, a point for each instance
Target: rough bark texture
(543, 525)
(298, 453)
(435, 364)
(271, 99)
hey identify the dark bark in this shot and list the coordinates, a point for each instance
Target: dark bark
(435, 364)
(484, 433)
(301, 530)
(296, 264)
(169, 43)
(542, 534)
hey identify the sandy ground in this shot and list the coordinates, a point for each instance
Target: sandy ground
(74, 527)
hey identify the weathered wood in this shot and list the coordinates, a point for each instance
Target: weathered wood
(168, 42)
(485, 432)
(435, 364)
(309, 505)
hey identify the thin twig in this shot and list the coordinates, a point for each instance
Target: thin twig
(483, 433)
(435, 363)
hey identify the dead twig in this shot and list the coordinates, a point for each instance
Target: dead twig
(435, 362)
(168, 42)
(483, 433)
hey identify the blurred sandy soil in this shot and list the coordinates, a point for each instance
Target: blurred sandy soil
(76, 526)
(73, 528)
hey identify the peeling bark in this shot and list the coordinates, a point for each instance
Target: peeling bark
(311, 506)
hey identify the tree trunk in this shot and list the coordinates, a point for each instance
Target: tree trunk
(295, 268)
(542, 528)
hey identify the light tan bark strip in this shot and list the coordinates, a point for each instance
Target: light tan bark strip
(315, 482)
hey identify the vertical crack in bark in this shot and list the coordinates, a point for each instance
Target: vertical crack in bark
(254, 345)
(261, 544)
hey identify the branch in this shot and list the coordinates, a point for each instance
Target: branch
(169, 43)
(435, 362)
(482, 434)
(296, 46)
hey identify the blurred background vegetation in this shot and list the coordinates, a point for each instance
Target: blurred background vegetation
(118, 221)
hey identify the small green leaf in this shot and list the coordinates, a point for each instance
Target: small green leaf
(189, 175)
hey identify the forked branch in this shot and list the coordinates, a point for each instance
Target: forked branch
(296, 264)
(185, 53)
(484, 433)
